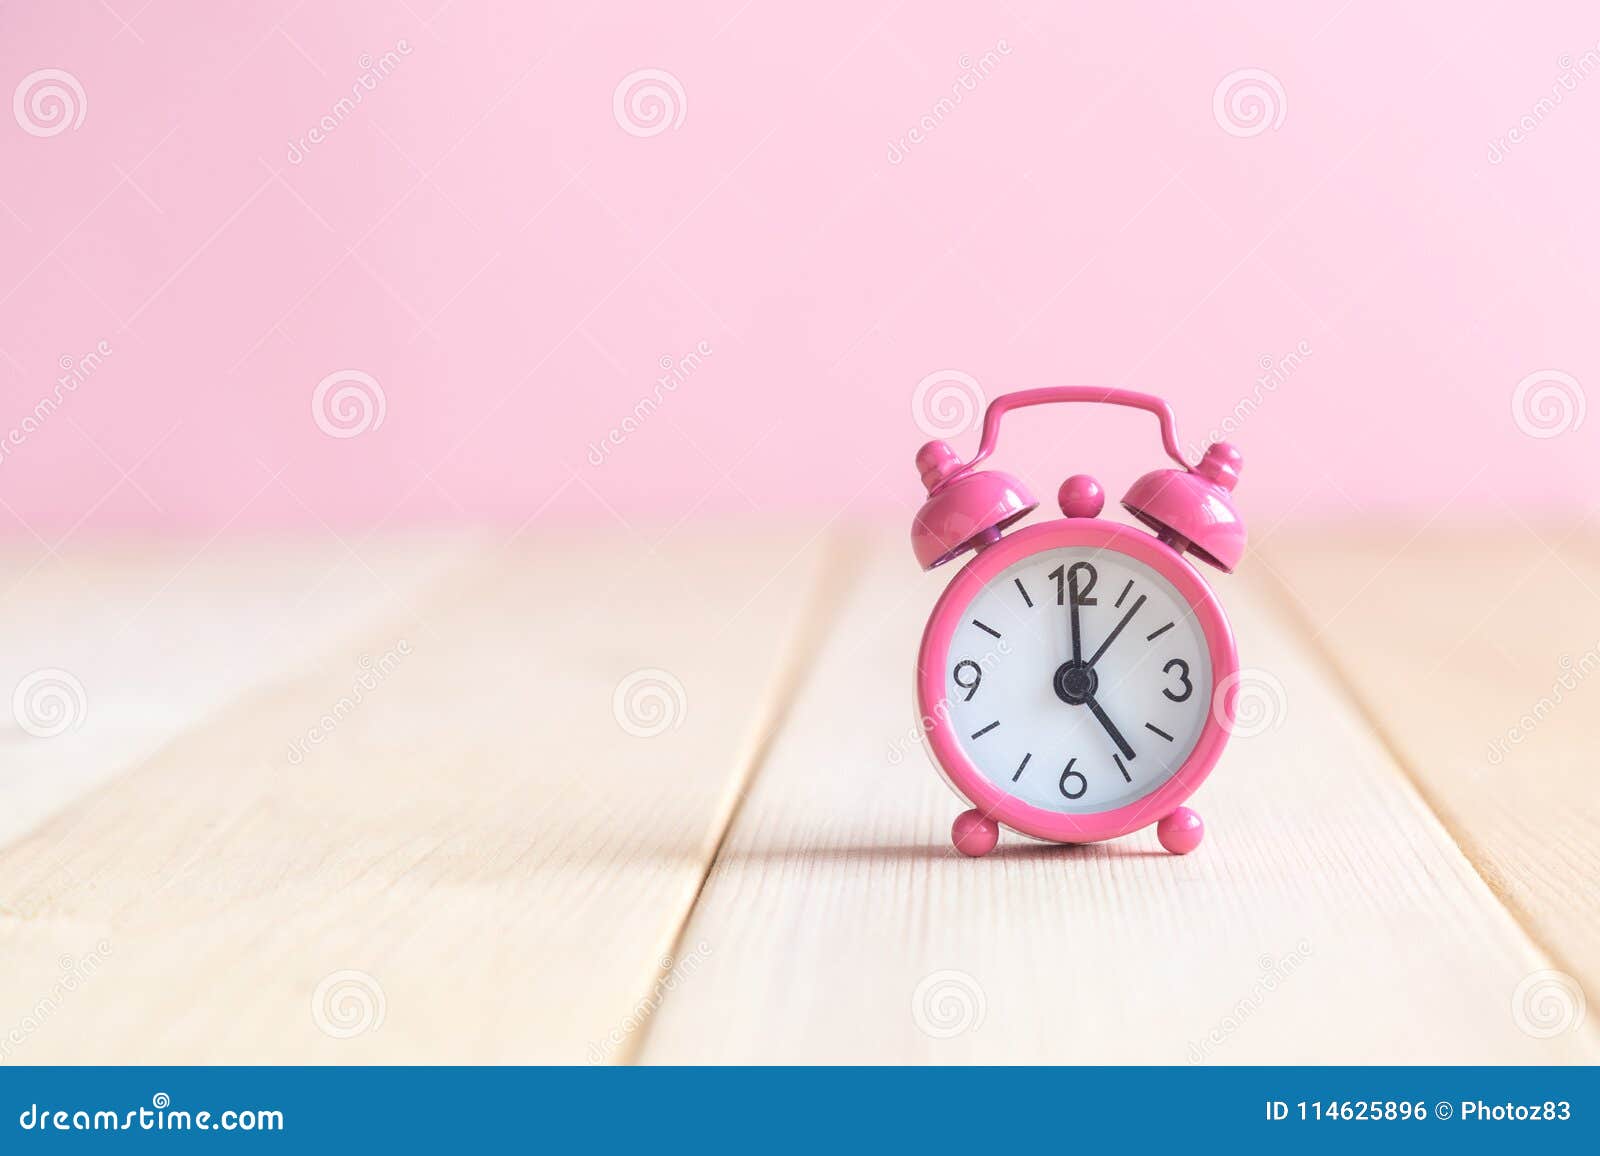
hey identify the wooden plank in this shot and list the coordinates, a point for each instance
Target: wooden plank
(1329, 917)
(484, 858)
(1479, 662)
(116, 649)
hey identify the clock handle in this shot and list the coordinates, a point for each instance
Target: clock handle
(1093, 394)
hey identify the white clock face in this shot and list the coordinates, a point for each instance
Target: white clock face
(1078, 680)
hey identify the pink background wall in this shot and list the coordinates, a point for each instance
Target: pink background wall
(486, 240)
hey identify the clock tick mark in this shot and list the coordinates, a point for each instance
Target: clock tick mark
(1021, 766)
(1158, 632)
(987, 729)
(1158, 730)
(986, 629)
(1022, 590)
(1127, 778)
(1123, 595)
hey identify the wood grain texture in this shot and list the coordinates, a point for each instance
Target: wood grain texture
(477, 846)
(1328, 918)
(1481, 666)
(136, 643)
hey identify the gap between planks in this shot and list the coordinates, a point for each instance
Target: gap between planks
(1427, 798)
(481, 836)
(835, 905)
(839, 571)
(1518, 800)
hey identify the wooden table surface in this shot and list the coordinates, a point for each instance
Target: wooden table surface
(659, 798)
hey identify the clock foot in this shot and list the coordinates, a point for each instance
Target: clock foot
(1181, 831)
(973, 834)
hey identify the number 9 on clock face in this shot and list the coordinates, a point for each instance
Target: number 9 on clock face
(1078, 680)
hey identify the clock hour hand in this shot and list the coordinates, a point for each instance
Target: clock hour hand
(1111, 729)
(1116, 630)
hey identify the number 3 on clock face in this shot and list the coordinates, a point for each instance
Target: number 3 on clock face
(1078, 680)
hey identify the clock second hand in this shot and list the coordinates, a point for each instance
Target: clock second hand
(1111, 729)
(1112, 637)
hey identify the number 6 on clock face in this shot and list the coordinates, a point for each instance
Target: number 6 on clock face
(1079, 680)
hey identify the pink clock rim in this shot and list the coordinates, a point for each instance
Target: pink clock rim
(939, 733)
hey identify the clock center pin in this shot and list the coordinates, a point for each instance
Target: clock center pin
(1075, 683)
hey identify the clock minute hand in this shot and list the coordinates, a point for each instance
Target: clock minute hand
(1077, 633)
(1111, 729)
(1116, 630)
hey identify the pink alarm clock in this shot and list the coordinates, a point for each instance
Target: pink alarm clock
(1076, 680)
